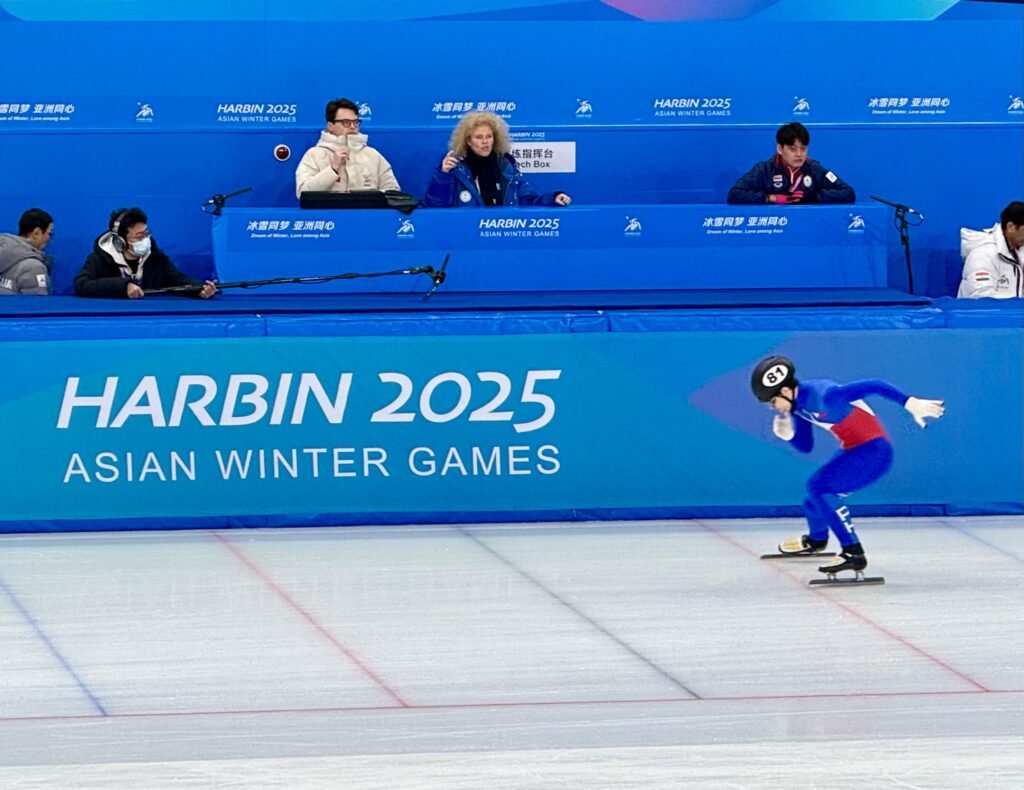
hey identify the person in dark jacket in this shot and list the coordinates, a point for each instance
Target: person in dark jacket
(478, 169)
(125, 262)
(791, 176)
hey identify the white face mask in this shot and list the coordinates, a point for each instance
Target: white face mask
(141, 247)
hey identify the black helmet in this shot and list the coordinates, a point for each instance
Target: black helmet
(771, 375)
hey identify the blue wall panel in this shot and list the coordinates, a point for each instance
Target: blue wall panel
(924, 112)
(623, 421)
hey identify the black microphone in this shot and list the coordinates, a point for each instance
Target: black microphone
(437, 275)
(218, 201)
(898, 206)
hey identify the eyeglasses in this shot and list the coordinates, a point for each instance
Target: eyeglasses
(138, 236)
(348, 123)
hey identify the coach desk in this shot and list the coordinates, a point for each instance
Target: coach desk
(586, 248)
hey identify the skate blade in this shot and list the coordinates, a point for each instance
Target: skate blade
(798, 556)
(834, 582)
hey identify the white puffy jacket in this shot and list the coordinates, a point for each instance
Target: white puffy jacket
(365, 169)
(991, 268)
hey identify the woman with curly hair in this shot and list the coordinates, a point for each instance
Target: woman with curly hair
(478, 169)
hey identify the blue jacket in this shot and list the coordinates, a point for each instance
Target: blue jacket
(458, 187)
(772, 178)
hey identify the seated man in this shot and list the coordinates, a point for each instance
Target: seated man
(992, 258)
(125, 263)
(342, 161)
(791, 176)
(24, 269)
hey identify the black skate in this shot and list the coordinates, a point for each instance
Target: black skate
(850, 559)
(804, 546)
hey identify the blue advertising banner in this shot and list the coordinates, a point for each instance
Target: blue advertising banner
(276, 73)
(565, 249)
(474, 425)
(659, 102)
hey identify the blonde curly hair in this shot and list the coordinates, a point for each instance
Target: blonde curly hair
(459, 142)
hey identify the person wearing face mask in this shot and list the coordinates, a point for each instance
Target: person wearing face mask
(791, 176)
(341, 161)
(125, 262)
(478, 169)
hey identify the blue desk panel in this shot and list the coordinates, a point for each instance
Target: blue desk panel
(589, 248)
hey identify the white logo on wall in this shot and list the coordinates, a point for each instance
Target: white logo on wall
(1016, 105)
(546, 157)
(286, 229)
(406, 230)
(450, 110)
(257, 113)
(35, 112)
(739, 226)
(856, 223)
(633, 226)
(145, 113)
(585, 109)
(693, 107)
(909, 105)
(802, 106)
(365, 111)
(519, 227)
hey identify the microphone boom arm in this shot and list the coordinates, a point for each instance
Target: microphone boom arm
(437, 277)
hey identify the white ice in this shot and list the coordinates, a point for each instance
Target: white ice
(613, 655)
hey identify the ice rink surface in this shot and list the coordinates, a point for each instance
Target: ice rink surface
(611, 655)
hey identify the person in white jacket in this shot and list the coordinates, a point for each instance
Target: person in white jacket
(342, 161)
(993, 257)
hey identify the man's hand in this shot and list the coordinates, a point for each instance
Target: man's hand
(134, 292)
(562, 199)
(339, 159)
(789, 197)
(208, 290)
(782, 426)
(920, 409)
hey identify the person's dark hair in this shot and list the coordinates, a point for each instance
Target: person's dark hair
(1013, 213)
(336, 104)
(791, 132)
(122, 219)
(32, 219)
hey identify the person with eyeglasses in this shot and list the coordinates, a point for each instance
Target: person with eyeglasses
(125, 262)
(341, 161)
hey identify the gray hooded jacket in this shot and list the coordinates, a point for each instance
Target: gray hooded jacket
(23, 268)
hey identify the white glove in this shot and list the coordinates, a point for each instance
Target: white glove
(782, 426)
(920, 409)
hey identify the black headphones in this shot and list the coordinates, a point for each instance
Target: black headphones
(118, 242)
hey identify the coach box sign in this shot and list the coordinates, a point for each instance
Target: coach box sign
(545, 157)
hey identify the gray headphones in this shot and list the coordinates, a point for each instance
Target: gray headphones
(115, 227)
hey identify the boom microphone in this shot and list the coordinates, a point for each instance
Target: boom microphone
(898, 206)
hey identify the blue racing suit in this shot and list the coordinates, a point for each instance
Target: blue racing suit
(865, 450)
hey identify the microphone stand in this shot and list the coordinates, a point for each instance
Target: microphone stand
(218, 201)
(437, 277)
(903, 225)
